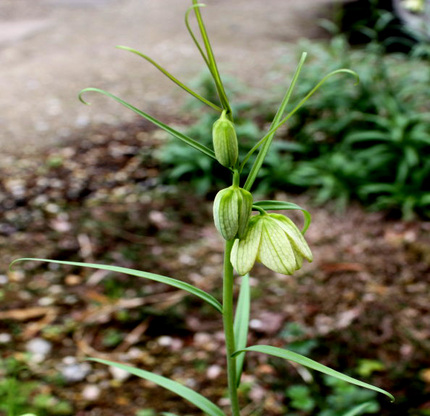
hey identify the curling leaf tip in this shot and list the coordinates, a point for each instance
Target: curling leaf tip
(82, 93)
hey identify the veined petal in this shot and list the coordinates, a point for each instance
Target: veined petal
(245, 208)
(299, 261)
(244, 251)
(276, 251)
(296, 238)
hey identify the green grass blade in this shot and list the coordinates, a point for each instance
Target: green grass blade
(358, 409)
(267, 139)
(172, 78)
(313, 91)
(195, 398)
(307, 362)
(281, 205)
(193, 36)
(146, 275)
(241, 323)
(188, 140)
(211, 61)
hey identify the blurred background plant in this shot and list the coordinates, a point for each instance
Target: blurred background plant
(20, 394)
(336, 399)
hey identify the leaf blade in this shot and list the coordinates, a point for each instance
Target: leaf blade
(307, 362)
(241, 323)
(146, 275)
(267, 139)
(188, 140)
(358, 409)
(171, 77)
(195, 398)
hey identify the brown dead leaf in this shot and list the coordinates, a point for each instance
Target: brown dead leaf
(342, 267)
(28, 313)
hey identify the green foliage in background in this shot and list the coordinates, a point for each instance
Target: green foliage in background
(19, 394)
(368, 142)
(330, 397)
(336, 402)
(372, 142)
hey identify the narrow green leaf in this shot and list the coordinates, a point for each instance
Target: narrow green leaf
(195, 398)
(168, 414)
(193, 36)
(307, 362)
(281, 205)
(188, 140)
(211, 61)
(241, 323)
(172, 78)
(315, 89)
(267, 139)
(146, 275)
(358, 409)
(370, 136)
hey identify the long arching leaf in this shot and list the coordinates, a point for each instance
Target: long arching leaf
(307, 362)
(211, 61)
(195, 398)
(131, 272)
(188, 140)
(241, 323)
(281, 205)
(193, 36)
(267, 139)
(172, 78)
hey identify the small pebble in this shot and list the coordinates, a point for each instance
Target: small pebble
(72, 371)
(255, 324)
(39, 346)
(46, 301)
(213, 372)
(73, 280)
(165, 341)
(5, 338)
(119, 374)
(91, 392)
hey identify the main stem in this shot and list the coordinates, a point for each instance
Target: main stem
(228, 328)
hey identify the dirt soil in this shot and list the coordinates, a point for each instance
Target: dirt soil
(51, 49)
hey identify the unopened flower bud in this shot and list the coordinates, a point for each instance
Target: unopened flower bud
(273, 240)
(232, 210)
(225, 141)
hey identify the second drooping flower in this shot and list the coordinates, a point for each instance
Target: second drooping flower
(275, 241)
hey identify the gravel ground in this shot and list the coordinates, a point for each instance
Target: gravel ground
(51, 49)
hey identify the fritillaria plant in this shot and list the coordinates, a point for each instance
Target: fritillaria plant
(270, 238)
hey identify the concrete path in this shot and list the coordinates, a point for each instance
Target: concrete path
(51, 49)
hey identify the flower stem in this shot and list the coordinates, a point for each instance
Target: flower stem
(228, 328)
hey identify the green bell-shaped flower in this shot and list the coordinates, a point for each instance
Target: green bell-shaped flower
(232, 210)
(225, 141)
(273, 240)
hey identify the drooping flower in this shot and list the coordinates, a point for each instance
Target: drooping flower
(275, 241)
(232, 210)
